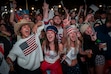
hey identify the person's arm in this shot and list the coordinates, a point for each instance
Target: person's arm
(10, 63)
(66, 12)
(94, 36)
(88, 17)
(80, 8)
(6, 33)
(61, 51)
(12, 15)
(64, 36)
(86, 52)
(12, 56)
(45, 11)
(35, 28)
(83, 52)
(66, 22)
(85, 11)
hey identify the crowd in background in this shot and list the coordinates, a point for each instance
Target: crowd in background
(56, 43)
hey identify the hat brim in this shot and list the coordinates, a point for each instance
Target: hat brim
(84, 27)
(18, 25)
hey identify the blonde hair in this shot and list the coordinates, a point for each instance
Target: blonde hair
(68, 43)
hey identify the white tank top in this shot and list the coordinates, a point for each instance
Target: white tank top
(51, 56)
(72, 53)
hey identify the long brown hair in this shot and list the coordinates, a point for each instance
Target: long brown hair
(55, 42)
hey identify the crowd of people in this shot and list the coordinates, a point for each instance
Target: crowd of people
(56, 43)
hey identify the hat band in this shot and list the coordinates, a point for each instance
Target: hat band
(71, 30)
(52, 30)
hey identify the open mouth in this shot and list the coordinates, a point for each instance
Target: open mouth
(27, 31)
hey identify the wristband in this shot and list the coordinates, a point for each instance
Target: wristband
(98, 41)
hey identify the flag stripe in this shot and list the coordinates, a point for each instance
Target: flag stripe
(30, 51)
(30, 43)
(30, 46)
(33, 48)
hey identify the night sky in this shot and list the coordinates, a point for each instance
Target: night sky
(68, 3)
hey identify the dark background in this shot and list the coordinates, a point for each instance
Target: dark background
(67, 3)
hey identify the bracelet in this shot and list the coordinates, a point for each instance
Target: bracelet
(97, 41)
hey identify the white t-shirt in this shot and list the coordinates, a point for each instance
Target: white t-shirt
(51, 56)
(28, 51)
(71, 55)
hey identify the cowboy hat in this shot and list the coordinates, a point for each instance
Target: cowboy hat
(22, 22)
(83, 27)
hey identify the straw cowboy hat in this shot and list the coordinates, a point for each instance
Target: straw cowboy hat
(22, 22)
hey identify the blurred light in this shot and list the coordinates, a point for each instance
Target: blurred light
(20, 9)
(5, 6)
(59, 6)
(100, 5)
(52, 9)
(5, 9)
(109, 6)
(11, 10)
(62, 10)
(6, 12)
(75, 9)
(32, 8)
(15, 9)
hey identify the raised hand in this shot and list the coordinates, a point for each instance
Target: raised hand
(66, 22)
(81, 7)
(14, 4)
(88, 17)
(94, 36)
(45, 6)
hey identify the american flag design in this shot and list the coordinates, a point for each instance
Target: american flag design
(71, 29)
(18, 17)
(29, 46)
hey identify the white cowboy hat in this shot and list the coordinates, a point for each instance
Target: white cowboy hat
(22, 22)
